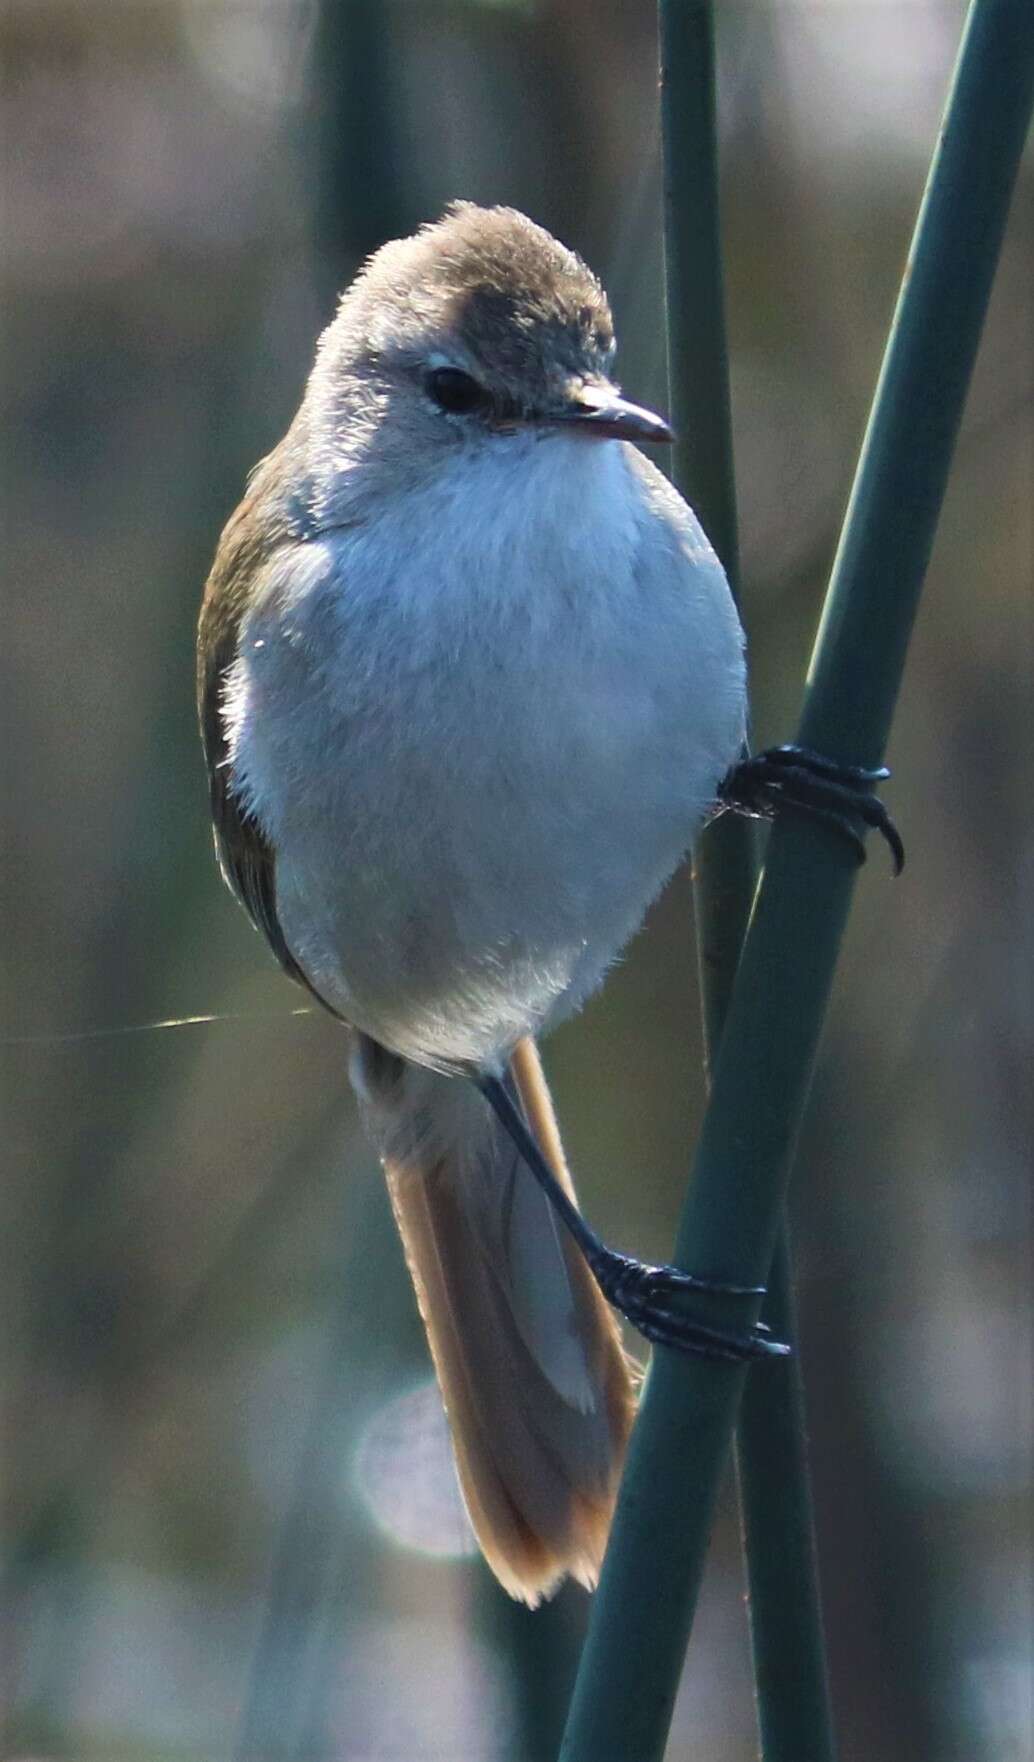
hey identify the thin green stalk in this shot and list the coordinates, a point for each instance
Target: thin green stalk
(788, 1643)
(791, 1677)
(644, 1608)
(698, 366)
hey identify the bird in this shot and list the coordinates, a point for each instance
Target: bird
(471, 679)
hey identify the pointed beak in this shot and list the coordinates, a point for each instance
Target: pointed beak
(598, 410)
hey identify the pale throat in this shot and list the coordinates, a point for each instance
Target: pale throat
(544, 509)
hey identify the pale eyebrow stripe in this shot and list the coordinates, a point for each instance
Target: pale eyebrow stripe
(203, 1021)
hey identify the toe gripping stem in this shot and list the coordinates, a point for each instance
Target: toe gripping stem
(805, 782)
(641, 1293)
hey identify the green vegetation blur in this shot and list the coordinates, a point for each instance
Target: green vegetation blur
(230, 1528)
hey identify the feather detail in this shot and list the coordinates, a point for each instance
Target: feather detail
(528, 1356)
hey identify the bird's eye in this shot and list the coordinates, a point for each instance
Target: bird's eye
(456, 391)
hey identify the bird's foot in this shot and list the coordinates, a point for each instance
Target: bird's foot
(642, 1294)
(806, 783)
(639, 1292)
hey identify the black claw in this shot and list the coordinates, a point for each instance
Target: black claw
(788, 754)
(635, 1290)
(805, 782)
(628, 1278)
(674, 1329)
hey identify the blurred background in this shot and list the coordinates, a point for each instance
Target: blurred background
(229, 1523)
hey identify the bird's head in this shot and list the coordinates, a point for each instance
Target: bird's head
(479, 327)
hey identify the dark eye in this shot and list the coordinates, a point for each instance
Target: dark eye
(456, 391)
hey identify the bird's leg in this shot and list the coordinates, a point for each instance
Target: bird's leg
(806, 783)
(636, 1290)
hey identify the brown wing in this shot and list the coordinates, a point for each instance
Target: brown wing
(245, 855)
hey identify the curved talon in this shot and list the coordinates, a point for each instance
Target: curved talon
(630, 1285)
(672, 1278)
(795, 777)
(634, 1288)
(627, 1278)
(832, 801)
(788, 754)
(682, 1333)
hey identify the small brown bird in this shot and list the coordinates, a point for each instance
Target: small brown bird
(470, 678)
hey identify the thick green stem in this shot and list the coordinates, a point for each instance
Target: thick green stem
(644, 1608)
(785, 1611)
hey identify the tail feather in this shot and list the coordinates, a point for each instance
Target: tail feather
(528, 1356)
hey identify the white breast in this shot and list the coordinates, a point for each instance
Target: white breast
(482, 732)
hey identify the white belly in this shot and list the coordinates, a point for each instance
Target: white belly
(514, 713)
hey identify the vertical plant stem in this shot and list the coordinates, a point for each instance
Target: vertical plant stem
(644, 1608)
(787, 1637)
(698, 365)
(791, 1678)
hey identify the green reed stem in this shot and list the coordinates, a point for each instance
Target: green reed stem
(785, 1610)
(643, 1612)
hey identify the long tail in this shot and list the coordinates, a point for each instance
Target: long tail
(528, 1356)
